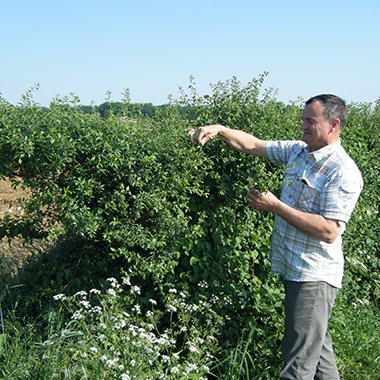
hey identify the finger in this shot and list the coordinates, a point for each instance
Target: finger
(199, 135)
(254, 192)
(192, 134)
(206, 138)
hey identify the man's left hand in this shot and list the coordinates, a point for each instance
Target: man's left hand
(264, 201)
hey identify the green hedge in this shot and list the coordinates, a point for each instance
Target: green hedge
(176, 212)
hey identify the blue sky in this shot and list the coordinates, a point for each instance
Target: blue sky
(152, 47)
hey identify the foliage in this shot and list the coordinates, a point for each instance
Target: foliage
(177, 213)
(355, 330)
(109, 336)
(129, 192)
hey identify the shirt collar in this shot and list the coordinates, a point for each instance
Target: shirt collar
(325, 151)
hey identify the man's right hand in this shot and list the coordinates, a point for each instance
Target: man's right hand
(239, 140)
(203, 134)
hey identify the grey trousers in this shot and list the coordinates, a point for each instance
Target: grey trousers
(307, 345)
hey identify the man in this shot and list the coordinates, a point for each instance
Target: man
(321, 187)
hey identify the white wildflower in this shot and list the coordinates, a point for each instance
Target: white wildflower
(162, 341)
(93, 349)
(120, 324)
(111, 292)
(112, 362)
(194, 308)
(136, 309)
(165, 358)
(58, 297)
(172, 290)
(86, 304)
(192, 348)
(96, 310)
(203, 284)
(95, 291)
(124, 376)
(200, 340)
(77, 315)
(172, 308)
(135, 289)
(153, 302)
(82, 293)
(191, 367)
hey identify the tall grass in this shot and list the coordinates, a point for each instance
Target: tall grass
(355, 329)
(110, 333)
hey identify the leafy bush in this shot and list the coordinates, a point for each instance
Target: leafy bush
(175, 215)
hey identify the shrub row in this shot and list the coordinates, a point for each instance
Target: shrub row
(176, 213)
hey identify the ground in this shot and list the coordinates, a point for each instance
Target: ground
(12, 255)
(9, 197)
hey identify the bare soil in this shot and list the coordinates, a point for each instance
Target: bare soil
(12, 256)
(9, 198)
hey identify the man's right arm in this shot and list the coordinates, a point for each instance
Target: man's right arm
(239, 140)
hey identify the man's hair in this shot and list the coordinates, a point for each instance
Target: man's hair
(333, 107)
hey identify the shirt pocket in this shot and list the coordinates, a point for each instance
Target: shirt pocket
(291, 187)
(310, 195)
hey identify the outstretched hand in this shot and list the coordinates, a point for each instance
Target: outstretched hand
(203, 134)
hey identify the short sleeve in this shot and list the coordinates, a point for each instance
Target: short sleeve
(279, 152)
(341, 193)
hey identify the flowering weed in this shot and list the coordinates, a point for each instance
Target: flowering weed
(109, 335)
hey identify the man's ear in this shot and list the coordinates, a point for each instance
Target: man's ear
(335, 125)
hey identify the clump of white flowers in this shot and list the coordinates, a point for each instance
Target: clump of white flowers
(116, 328)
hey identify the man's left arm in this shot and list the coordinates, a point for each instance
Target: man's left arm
(314, 225)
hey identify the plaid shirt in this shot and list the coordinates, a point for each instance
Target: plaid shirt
(325, 182)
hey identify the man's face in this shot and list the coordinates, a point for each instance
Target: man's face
(316, 130)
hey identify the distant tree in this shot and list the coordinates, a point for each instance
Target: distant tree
(86, 109)
(106, 108)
